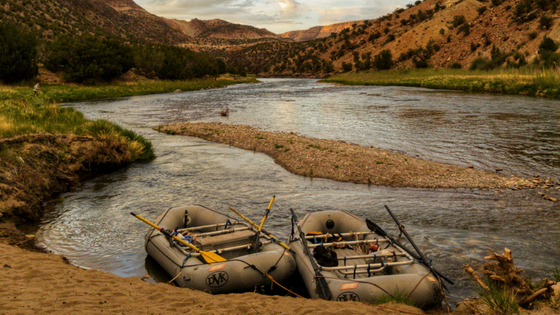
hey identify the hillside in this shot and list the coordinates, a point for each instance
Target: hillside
(433, 33)
(318, 32)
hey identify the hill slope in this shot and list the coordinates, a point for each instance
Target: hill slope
(50, 18)
(434, 33)
(318, 32)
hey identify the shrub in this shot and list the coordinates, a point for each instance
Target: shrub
(481, 10)
(546, 22)
(18, 53)
(458, 20)
(383, 60)
(346, 67)
(533, 35)
(484, 64)
(456, 65)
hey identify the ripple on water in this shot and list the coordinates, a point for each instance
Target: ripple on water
(93, 227)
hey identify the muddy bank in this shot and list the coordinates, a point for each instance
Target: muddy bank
(34, 168)
(342, 161)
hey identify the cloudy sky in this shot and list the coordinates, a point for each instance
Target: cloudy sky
(277, 16)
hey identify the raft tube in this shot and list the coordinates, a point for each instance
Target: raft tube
(361, 273)
(248, 263)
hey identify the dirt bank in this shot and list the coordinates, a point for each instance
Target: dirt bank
(348, 162)
(34, 168)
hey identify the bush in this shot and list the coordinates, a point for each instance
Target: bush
(18, 53)
(483, 64)
(546, 22)
(458, 20)
(456, 65)
(383, 60)
(88, 59)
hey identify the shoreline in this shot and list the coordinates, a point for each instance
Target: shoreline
(347, 162)
(39, 282)
(536, 83)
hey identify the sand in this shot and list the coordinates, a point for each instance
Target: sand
(40, 283)
(347, 162)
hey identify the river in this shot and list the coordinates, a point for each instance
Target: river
(93, 228)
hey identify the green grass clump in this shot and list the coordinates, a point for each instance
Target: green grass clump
(532, 82)
(400, 298)
(556, 274)
(499, 300)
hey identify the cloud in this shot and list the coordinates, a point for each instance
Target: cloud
(275, 15)
(288, 6)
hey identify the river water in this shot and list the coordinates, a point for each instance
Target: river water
(93, 227)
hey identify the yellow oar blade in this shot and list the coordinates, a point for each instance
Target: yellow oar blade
(209, 257)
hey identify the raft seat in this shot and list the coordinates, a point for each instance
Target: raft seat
(237, 238)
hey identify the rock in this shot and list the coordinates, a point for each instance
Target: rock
(471, 166)
(556, 289)
(499, 170)
(177, 91)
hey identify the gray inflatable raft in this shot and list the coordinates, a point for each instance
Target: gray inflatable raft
(250, 256)
(365, 267)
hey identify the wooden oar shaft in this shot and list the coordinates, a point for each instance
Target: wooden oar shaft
(266, 213)
(256, 226)
(209, 257)
(168, 234)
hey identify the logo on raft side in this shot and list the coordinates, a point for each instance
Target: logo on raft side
(217, 279)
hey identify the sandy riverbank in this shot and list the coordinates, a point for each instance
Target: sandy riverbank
(342, 161)
(39, 283)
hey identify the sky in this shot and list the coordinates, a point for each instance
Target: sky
(277, 16)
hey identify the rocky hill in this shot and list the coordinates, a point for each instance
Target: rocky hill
(432, 33)
(318, 31)
(50, 18)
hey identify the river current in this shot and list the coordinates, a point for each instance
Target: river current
(93, 228)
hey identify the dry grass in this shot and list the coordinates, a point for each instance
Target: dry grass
(346, 162)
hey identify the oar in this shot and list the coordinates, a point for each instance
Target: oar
(378, 230)
(262, 230)
(322, 287)
(266, 213)
(208, 256)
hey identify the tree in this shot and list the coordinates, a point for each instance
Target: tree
(383, 60)
(18, 53)
(89, 58)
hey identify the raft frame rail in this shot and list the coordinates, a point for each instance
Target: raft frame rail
(341, 243)
(218, 225)
(327, 235)
(375, 265)
(221, 250)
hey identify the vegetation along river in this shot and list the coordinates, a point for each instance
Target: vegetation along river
(93, 228)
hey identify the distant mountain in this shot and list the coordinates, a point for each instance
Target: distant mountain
(220, 29)
(319, 31)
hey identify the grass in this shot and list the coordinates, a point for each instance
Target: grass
(532, 82)
(400, 298)
(556, 274)
(499, 300)
(22, 114)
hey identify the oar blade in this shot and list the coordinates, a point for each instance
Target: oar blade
(212, 258)
(375, 228)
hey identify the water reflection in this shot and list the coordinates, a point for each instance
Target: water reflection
(93, 226)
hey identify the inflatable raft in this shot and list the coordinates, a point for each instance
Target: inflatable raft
(340, 259)
(250, 258)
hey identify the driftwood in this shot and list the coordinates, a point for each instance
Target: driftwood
(503, 274)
